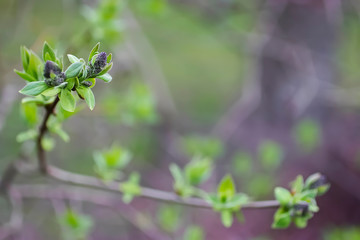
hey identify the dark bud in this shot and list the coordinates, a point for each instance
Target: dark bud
(87, 83)
(59, 79)
(321, 181)
(302, 208)
(48, 81)
(100, 62)
(51, 67)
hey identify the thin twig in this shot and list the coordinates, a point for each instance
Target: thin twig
(150, 193)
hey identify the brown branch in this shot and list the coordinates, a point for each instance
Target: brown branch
(15, 167)
(42, 130)
(149, 193)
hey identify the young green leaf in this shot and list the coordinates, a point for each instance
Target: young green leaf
(283, 196)
(88, 95)
(62, 134)
(226, 189)
(76, 226)
(117, 156)
(25, 57)
(227, 218)
(27, 135)
(282, 219)
(70, 83)
(105, 77)
(301, 222)
(38, 101)
(29, 111)
(34, 88)
(48, 50)
(106, 69)
(48, 143)
(109, 58)
(297, 185)
(67, 100)
(198, 170)
(94, 51)
(34, 67)
(177, 174)
(50, 92)
(25, 76)
(73, 70)
(131, 188)
(72, 58)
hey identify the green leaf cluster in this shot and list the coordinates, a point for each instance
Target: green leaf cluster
(75, 226)
(307, 134)
(47, 79)
(138, 106)
(194, 232)
(202, 146)
(152, 7)
(169, 217)
(227, 201)
(271, 154)
(110, 162)
(197, 171)
(104, 20)
(299, 204)
(131, 188)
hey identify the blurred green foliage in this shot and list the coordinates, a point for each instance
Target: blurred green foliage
(169, 217)
(270, 154)
(75, 226)
(194, 232)
(307, 135)
(202, 146)
(110, 162)
(242, 163)
(193, 51)
(343, 233)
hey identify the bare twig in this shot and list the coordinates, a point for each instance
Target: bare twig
(150, 193)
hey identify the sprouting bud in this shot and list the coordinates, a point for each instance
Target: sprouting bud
(51, 68)
(87, 83)
(59, 79)
(53, 75)
(302, 208)
(100, 62)
(320, 181)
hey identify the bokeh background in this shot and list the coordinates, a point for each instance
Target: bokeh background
(268, 89)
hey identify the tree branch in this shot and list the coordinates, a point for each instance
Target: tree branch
(149, 193)
(42, 130)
